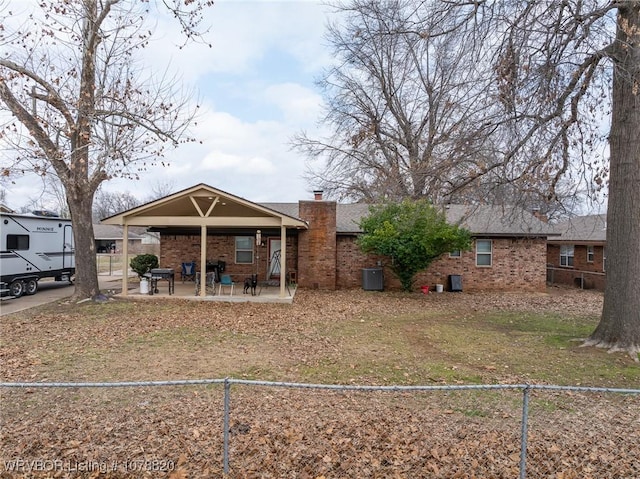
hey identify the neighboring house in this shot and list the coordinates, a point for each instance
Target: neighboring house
(578, 256)
(208, 226)
(109, 238)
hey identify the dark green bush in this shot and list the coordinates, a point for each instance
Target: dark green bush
(142, 263)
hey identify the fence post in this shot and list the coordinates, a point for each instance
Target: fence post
(523, 433)
(225, 433)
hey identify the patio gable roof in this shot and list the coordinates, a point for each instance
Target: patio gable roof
(203, 205)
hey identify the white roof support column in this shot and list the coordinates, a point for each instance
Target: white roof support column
(203, 261)
(125, 260)
(283, 260)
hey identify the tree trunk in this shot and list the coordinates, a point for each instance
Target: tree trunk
(619, 327)
(80, 204)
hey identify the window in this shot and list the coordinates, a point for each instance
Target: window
(17, 242)
(244, 249)
(456, 253)
(483, 253)
(590, 254)
(566, 255)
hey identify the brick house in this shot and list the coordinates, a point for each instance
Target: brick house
(578, 255)
(209, 226)
(508, 251)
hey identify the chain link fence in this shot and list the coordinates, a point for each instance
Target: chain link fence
(286, 429)
(111, 264)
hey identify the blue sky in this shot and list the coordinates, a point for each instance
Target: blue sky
(256, 87)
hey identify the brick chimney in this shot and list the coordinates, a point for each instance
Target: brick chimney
(317, 195)
(317, 247)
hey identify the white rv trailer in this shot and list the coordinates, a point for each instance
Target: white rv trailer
(34, 246)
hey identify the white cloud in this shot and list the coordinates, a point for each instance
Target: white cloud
(241, 33)
(256, 86)
(254, 166)
(300, 106)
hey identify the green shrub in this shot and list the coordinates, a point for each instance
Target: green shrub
(142, 263)
(412, 233)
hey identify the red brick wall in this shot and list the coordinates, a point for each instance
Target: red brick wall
(317, 246)
(177, 249)
(351, 261)
(582, 272)
(518, 265)
(324, 261)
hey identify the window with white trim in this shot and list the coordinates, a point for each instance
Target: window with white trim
(456, 253)
(484, 253)
(244, 249)
(566, 255)
(590, 254)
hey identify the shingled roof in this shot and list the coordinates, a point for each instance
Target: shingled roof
(481, 220)
(583, 229)
(495, 220)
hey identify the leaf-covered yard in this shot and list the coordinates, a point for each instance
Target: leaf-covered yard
(345, 337)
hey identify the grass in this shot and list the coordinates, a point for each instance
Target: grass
(368, 343)
(348, 337)
(477, 348)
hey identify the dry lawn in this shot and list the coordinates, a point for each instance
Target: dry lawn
(346, 337)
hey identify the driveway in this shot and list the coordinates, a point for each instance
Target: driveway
(48, 291)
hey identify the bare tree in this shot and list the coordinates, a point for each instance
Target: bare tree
(83, 109)
(406, 113)
(54, 190)
(160, 189)
(108, 203)
(50, 198)
(547, 76)
(562, 69)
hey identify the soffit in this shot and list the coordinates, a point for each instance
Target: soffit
(203, 204)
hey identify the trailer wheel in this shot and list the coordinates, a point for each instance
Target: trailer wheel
(31, 287)
(16, 288)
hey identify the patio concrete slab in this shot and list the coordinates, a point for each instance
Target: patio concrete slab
(186, 290)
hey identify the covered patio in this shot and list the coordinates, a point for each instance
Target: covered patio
(199, 213)
(265, 293)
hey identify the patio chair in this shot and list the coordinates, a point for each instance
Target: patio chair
(188, 271)
(210, 286)
(225, 280)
